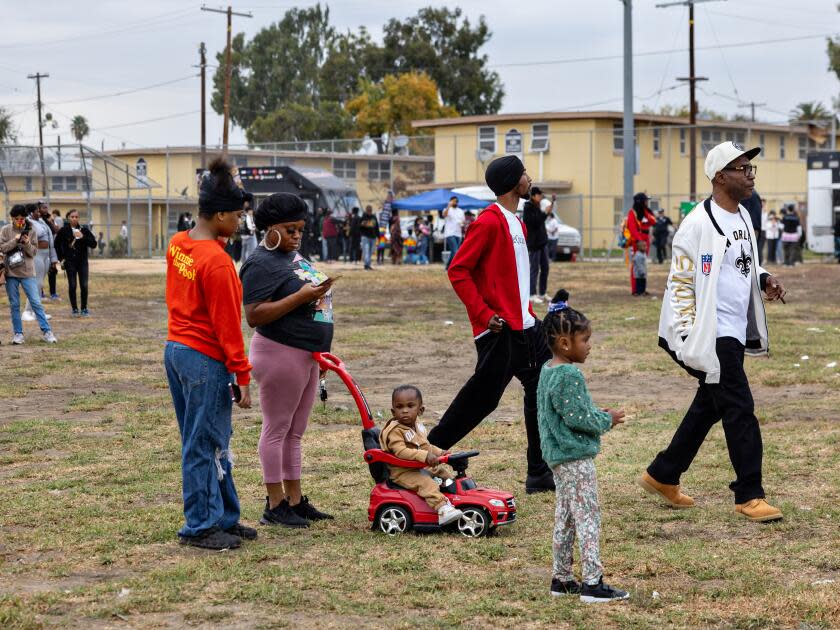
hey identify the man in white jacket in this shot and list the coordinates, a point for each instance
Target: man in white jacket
(712, 314)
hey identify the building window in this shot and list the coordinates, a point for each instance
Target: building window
(709, 139)
(57, 183)
(487, 139)
(683, 142)
(539, 137)
(736, 136)
(657, 142)
(762, 143)
(344, 169)
(781, 147)
(27, 184)
(70, 183)
(238, 160)
(141, 168)
(618, 137)
(805, 145)
(428, 175)
(513, 142)
(379, 171)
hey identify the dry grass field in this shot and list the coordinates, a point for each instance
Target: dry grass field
(90, 477)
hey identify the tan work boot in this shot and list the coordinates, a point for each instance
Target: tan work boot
(759, 510)
(670, 493)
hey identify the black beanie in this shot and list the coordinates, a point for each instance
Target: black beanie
(217, 192)
(504, 174)
(279, 208)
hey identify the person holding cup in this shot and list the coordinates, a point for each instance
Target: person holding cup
(72, 244)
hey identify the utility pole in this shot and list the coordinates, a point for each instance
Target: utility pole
(228, 68)
(692, 79)
(38, 76)
(203, 52)
(752, 105)
(628, 130)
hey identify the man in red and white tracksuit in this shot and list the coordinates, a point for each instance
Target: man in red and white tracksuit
(491, 275)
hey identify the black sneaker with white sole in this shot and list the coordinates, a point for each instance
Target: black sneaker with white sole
(540, 483)
(306, 510)
(600, 592)
(282, 514)
(245, 533)
(559, 587)
(213, 538)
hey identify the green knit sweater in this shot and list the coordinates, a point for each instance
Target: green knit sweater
(570, 423)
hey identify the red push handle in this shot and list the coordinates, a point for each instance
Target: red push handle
(331, 362)
(378, 455)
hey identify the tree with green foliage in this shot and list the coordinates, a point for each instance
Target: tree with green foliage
(80, 128)
(809, 112)
(438, 42)
(389, 106)
(8, 134)
(294, 121)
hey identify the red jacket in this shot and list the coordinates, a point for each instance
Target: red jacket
(483, 272)
(640, 231)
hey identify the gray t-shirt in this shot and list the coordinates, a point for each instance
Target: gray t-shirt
(268, 276)
(640, 264)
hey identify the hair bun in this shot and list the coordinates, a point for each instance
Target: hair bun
(561, 296)
(219, 166)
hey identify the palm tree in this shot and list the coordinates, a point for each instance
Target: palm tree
(809, 112)
(7, 130)
(79, 127)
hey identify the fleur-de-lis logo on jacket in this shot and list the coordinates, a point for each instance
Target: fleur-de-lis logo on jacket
(744, 262)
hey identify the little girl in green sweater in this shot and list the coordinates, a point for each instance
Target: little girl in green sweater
(570, 433)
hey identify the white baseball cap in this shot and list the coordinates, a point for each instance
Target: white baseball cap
(725, 153)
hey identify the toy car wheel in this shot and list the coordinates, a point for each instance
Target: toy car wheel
(394, 520)
(474, 523)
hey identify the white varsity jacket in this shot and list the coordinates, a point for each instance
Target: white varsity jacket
(688, 321)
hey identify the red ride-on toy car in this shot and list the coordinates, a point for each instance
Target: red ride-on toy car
(393, 509)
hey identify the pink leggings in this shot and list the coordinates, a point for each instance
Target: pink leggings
(288, 380)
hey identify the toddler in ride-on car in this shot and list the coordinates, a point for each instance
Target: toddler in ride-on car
(404, 436)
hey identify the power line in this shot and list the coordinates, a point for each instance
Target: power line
(120, 93)
(148, 120)
(652, 53)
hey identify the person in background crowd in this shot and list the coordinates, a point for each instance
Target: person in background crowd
(661, 229)
(640, 221)
(289, 303)
(469, 217)
(101, 244)
(381, 244)
(803, 233)
(355, 235)
(534, 215)
(640, 268)
(57, 220)
(72, 243)
(329, 234)
(453, 228)
(204, 347)
(491, 274)
(396, 239)
(552, 233)
(247, 228)
(791, 231)
(46, 256)
(18, 243)
(369, 232)
(421, 234)
(761, 234)
(755, 207)
(124, 232)
(772, 232)
(343, 248)
(387, 207)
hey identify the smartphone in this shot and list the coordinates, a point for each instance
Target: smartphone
(235, 393)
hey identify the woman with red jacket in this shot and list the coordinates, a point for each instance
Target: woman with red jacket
(204, 347)
(640, 222)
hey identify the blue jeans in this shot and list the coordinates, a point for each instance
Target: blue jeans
(200, 388)
(33, 292)
(453, 243)
(368, 245)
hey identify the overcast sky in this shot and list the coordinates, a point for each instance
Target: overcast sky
(93, 49)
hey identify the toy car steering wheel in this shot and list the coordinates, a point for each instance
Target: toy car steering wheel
(462, 455)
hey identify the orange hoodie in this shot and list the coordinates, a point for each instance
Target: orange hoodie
(204, 299)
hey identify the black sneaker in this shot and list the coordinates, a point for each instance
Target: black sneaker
(559, 588)
(601, 592)
(539, 483)
(213, 538)
(282, 514)
(245, 533)
(306, 510)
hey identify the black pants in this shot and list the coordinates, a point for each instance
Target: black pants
(80, 272)
(730, 401)
(789, 249)
(52, 274)
(501, 356)
(539, 265)
(661, 245)
(641, 285)
(761, 240)
(772, 243)
(355, 249)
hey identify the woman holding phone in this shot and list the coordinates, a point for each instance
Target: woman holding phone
(71, 245)
(289, 302)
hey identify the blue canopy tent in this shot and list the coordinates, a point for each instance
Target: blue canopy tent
(438, 200)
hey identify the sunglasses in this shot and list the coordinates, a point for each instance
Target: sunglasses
(748, 169)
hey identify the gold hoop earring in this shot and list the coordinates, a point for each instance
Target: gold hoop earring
(277, 244)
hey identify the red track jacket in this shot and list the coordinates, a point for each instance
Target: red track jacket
(483, 272)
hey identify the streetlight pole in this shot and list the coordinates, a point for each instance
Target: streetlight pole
(629, 136)
(692, 79)
(38, 76)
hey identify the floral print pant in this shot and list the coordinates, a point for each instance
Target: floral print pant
(577, 513)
